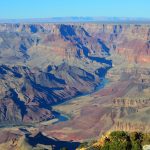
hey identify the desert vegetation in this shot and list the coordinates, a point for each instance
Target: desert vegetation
(118, 140)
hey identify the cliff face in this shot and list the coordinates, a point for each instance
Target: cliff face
(131, 41)
(21, 139)
(126, 102)
(75, 41)
(131, 114)
(26, 95)
(131, 126)
(61, 42)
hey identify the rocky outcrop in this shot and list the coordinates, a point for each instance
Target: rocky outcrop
(25, 140)
(131, 126)
(128, 102)
(131, 114)
(27, 95)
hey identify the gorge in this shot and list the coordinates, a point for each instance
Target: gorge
(96, 74)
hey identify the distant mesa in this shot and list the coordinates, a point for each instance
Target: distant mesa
(78, 20)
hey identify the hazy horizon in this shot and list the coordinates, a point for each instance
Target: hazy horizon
(33, 9)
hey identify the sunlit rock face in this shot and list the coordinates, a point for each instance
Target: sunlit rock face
(131, 41)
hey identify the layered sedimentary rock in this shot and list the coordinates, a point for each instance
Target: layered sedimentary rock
(131, 41)
(22, 139)
(28, 94)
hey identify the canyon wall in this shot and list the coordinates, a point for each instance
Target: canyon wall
(45, 64)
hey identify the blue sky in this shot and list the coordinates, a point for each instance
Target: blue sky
(16, 9)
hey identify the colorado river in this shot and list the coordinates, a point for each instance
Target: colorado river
(101, 72)
(60, 117)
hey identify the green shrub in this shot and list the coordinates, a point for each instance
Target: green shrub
(120, 140)
(83, 145)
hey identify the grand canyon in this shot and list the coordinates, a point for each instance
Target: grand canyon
(65, 83)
